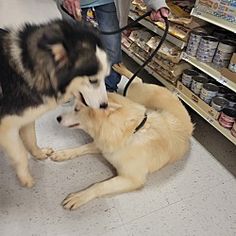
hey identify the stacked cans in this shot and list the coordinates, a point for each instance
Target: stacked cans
(227, 118)
(197, 84)
(187, 77)
(207, 49)
(219, 103)
(224, 53)
(208, 92)
(194, 41)
(228, 115)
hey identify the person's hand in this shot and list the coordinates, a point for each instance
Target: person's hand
(73, 8)
(157, 15)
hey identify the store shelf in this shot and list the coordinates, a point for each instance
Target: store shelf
(149, 70)
(208, 118)
(210, 70)
(184, 98)
(199, 13)
(154, 28)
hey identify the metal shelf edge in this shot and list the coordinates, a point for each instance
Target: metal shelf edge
(214, 20)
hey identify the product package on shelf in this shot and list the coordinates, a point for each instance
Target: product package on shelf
(225, 9)
(166, 63)
(140, 36)
(125, 41)
(181, 22)
(168, 51)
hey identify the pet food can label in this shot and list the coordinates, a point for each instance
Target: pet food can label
(208, 92)
(227, 117)
(227, 46)
(187, 77)
(223, 91)
(207, 48)
(219, 103)
(197, 84)
(193, 42)
(232, 99)
(232, 67)
(224, 53)
(233, 130)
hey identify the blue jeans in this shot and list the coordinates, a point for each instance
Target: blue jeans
(107, 20)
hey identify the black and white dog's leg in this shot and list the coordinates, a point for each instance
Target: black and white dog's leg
(28, 137)
(15, 149)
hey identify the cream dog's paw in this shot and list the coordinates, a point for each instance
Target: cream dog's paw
(75, 200)
(26, 181)
(43, 153)
(60, 156)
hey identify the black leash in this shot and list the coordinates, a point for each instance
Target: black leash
(134, 23)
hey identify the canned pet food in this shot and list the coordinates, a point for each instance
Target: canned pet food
(231, 98)
(194, 41)
(223, 91)
(219, 103)
(232, 67)
(232, 64)
(227, 117)
(207, 48)
(208, 92)
(224, 53)
(233, 130)
(220, 33)
(197, 84)
(187, 77)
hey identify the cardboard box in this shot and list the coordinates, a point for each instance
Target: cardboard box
(204, 106)
(230, 75)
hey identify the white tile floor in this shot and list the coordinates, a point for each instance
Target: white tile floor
(195, 196)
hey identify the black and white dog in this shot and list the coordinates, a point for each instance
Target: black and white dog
(42, 66)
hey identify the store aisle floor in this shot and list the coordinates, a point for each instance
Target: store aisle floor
(195, 196)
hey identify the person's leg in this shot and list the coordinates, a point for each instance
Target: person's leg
(106, 17)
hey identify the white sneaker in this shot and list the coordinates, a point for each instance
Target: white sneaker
(121, 86)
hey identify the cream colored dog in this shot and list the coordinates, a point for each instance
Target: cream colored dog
(136, 139)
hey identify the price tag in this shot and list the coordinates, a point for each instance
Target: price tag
(209, 119)
(197, 12)
(223, 80)
(185, 56)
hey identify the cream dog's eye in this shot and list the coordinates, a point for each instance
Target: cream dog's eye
(93, 81)
(76, 109)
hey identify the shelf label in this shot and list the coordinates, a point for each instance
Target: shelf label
(223, 80)
(185, 56)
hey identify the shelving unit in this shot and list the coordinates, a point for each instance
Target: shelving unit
(183, 97)
(197, 12)
(207, 68)
(178, 42)
(167, 84)
(208, 118)
(210, 70)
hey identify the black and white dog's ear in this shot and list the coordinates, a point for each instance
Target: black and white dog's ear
(56, 48)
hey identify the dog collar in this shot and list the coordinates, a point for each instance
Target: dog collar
(142, 123)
